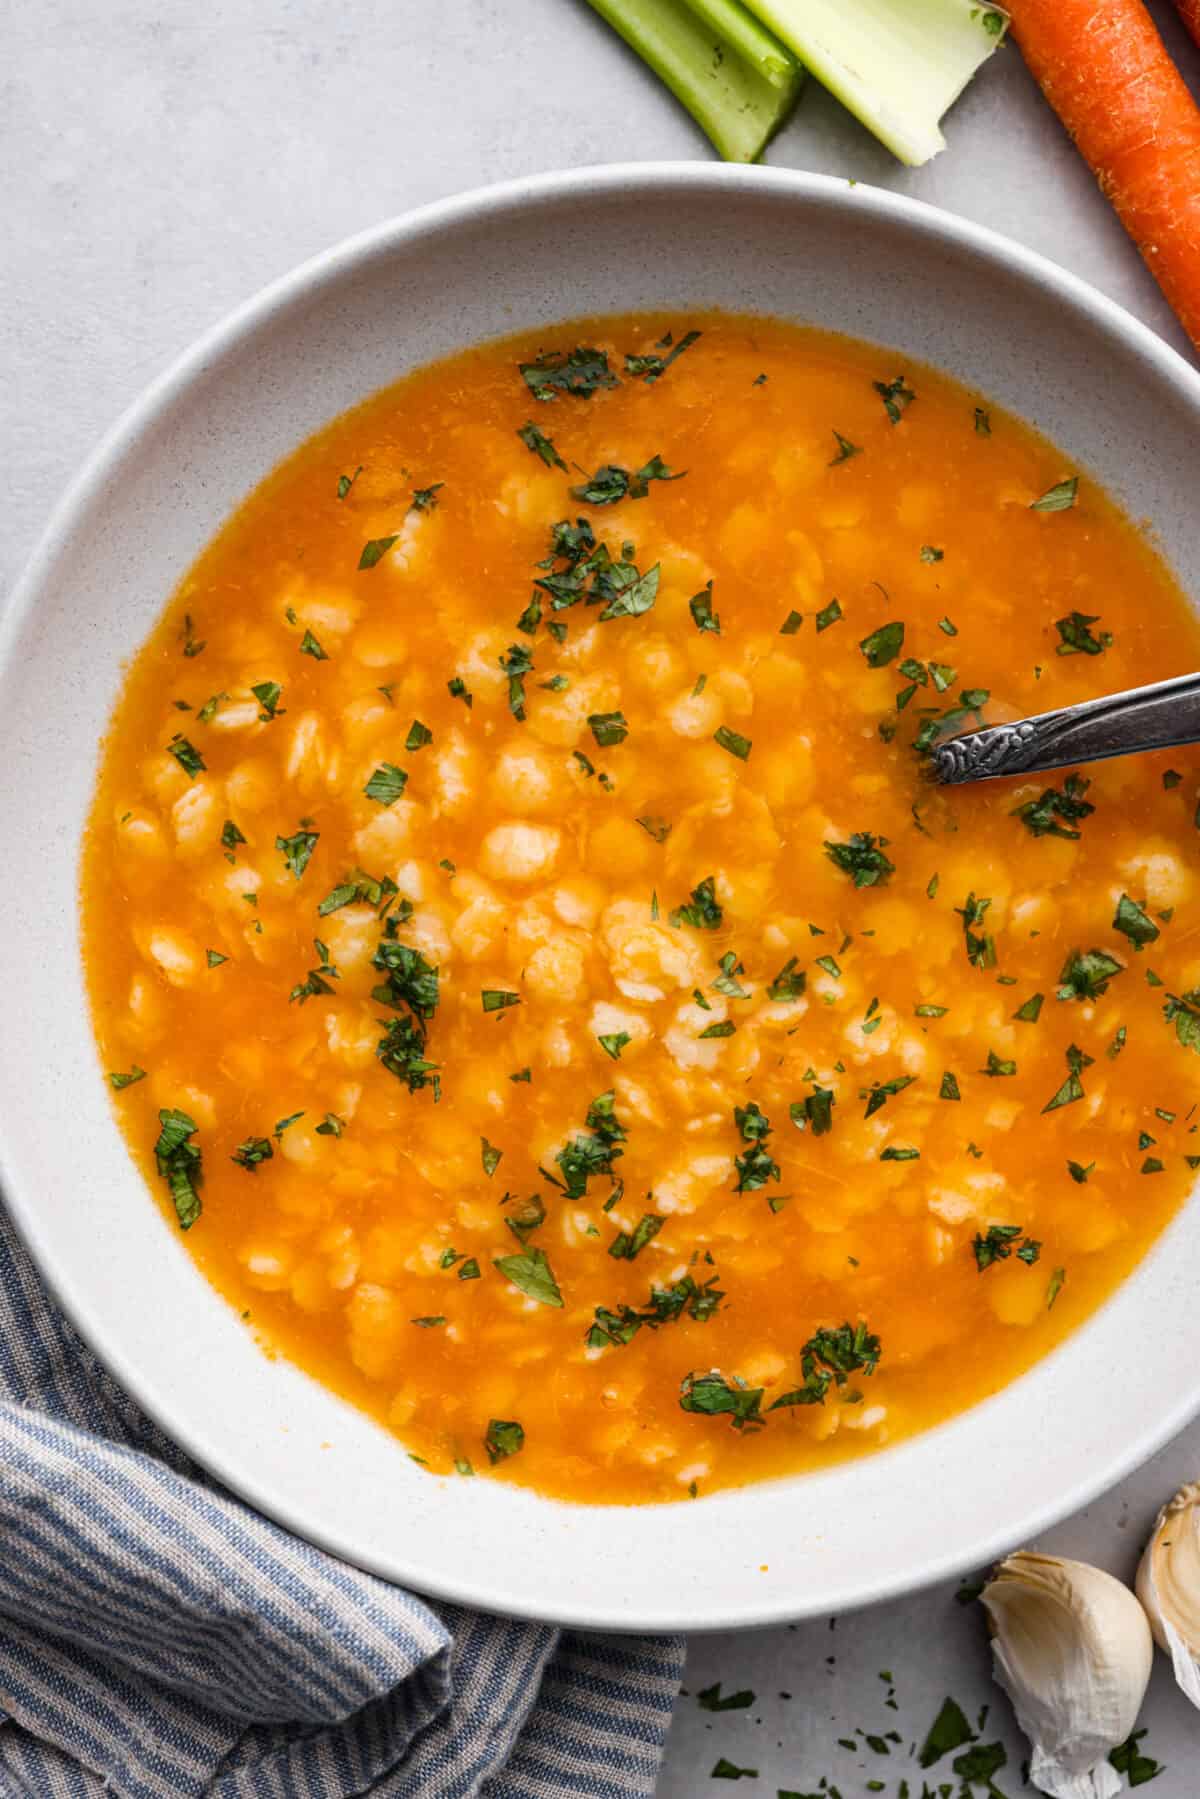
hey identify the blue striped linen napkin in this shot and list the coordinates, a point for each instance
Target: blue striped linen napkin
(159, 1640)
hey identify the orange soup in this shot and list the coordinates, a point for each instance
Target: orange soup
(534, 966)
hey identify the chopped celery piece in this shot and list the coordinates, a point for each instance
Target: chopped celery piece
(737, 82)
(897, 64)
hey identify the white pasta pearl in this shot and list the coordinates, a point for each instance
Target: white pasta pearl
(519, 851)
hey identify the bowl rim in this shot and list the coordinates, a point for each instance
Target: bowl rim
(355, 253)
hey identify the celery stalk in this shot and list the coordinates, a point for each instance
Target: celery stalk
(897, 64)
(735, 80)
(740, 31)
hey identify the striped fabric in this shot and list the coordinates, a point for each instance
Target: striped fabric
(159, 1640)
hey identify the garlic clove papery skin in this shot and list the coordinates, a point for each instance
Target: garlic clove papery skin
(1168, 1585)
(1072, 1649)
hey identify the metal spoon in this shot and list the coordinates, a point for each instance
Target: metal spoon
(1144, 718)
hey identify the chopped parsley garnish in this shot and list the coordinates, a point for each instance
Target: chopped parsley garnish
(118, 1082)
(309, 646)
(626, 1246)
(828, 1359)
(1059, 498)
(214, 958)
(884, 644)
(250, 1154)
(317, 979)
(930, 553)
(791, 624)
(1133, 922)
(541, 445)
(1086, 974)
(1072, 1088)
(789, 983)
(1030, 1012)
(727, 981)
(652, 368)
(386, 784)
(504, 1437)
(714, 1396)
(896, 396)
(410, 982)
(418, 736)
(331, 1126)
(862, 858)
(375, 550)
(724, 1769)
(734, 742)
(361, 887)
(346, 482)
(591, 1151)
(190, 646)
(608, 728)
(814, 1113)
(879, 1092)
(1183, 1011)
(187, 755)
(496, 999)
(401, 1050)
(655, 827)
(701, 608)
(755, 1166)
(611, 483)
(829, 615)
(682, 1299)
(210, 708)
(980, 947)
(1077, 636)
(177, 1159)
(949, 1087)
(490, 1156)
(267, 693)
(703, 913)
(532, 1275)
(297, 850)
(517, 663)
(725, 1028)
(424, 499)
(1053, 813)
(1000, 1242)
(613, 1042)
(998, 1065)
(845, 449)
(581, 372)
(457, 689)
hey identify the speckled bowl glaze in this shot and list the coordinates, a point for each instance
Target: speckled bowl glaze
(527, 254)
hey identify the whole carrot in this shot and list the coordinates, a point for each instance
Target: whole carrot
(1189, 12)
(1106, 72)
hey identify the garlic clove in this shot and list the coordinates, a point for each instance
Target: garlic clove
(1168, 1585)
(1072, 1649)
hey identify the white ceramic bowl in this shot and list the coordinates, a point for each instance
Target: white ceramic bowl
(600, 240)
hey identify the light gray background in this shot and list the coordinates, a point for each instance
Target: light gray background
(159, 161)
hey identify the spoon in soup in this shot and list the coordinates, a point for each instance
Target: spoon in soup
(1157, 717)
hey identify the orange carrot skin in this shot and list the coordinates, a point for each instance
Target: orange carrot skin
(1189, 12)
(1104, 69)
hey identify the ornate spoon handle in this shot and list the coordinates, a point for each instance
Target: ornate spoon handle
(1144, 718)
